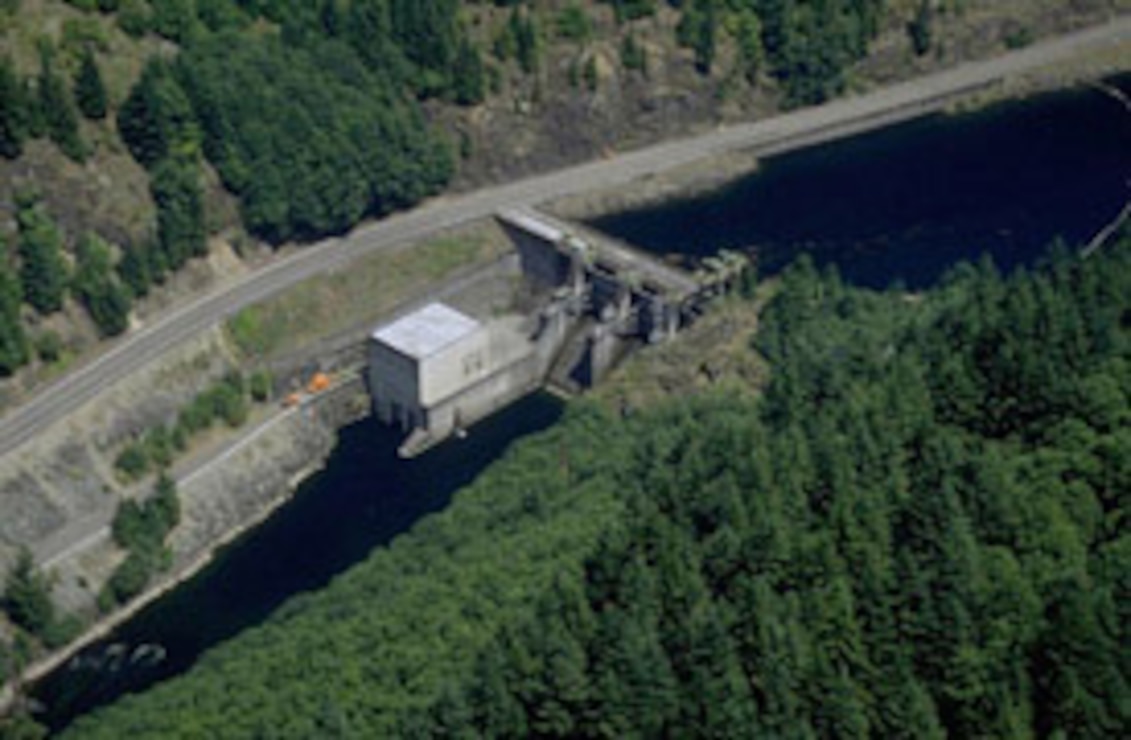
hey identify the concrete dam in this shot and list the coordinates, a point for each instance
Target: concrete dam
(588, 301)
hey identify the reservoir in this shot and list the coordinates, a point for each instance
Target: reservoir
(902, 204)
(907, 202)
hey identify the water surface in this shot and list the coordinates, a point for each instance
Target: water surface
(907, 202)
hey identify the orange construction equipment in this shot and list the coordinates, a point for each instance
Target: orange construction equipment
(318, 383)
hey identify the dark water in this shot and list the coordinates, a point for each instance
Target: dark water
(365, 496)
(907, 202)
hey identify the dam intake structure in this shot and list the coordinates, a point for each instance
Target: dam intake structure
(436, 370)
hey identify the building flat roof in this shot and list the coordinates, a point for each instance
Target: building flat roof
(426, 331)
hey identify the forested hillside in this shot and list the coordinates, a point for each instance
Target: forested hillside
(919, 530)
(172, 130)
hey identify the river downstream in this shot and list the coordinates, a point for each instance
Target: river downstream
(899, 205)
(364, 497)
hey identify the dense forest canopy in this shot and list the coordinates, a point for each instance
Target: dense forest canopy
(313, 126)
(323, 145)
(919, 530)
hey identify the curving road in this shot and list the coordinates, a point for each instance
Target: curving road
(775, 135)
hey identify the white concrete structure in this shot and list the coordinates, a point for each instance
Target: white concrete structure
(437, 371)
(422, 359)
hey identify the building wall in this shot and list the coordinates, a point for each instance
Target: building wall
(454, 368)
(393, 384)
(402, 387)
(504, 386)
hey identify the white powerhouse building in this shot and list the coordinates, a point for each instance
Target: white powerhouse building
(421, 363)
(437, 370)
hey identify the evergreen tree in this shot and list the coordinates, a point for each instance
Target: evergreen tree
(89, 90)
(633, 55)
(157, 120)
(527, 41)
(429, 33)
(14, 349)
(698, 29)
(134, 270)
(14, 112)
(470, 78)
(96, 285)
(919, 28)
(751, 53)
(175, 19)
(175, 185)
(27, 598)
(43, 271)
(58, 111)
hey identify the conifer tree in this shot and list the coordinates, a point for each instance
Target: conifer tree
(43, 271)
(90, 93)
(134, 270)
(13, 340)
(27, 596)
(175, 184)
(469, 83)
(58, 111)
(96, 285)
(157, 119)
(13, 111)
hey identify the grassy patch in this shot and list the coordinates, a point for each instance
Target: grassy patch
(361, 293)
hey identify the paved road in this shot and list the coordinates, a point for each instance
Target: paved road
(774, 135)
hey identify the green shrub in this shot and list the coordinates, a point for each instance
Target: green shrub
(27, 596)
(130, 528)
(61, 631)
(133, 461)
(49, 346)
(230, 404)
(632, 55)
(260, 386)
(141, 528)
(95, 284)
(573, 24)
(159, 447)
(1018, 37)
(128, 580)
